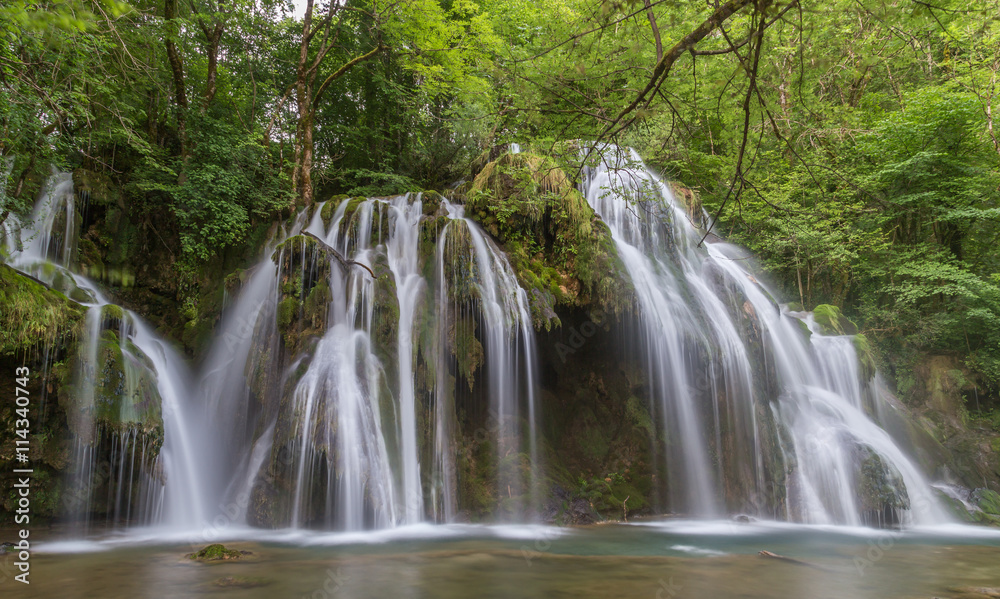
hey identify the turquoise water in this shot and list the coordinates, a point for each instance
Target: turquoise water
(656, 559)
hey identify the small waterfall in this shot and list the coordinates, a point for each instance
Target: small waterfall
(403, 252)
(135, 441)
(814, 453)
(49, 234)
(510, 355)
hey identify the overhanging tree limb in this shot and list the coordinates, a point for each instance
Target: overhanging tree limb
(663, 66)
(343, 69)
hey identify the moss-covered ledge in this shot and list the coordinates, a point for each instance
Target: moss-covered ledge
(33, 314)
(562, 252)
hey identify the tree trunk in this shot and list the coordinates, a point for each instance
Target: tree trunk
(212, 48)
(177, 70)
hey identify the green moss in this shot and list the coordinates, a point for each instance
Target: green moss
(217, 552)
(32, 314)
(832, 322)
(988, 501)
(866, 359)
(466, 348)
(639, 416)
(330, 208)
(561, 252)
(288, 309)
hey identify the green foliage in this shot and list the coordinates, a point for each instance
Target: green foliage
(219, 191)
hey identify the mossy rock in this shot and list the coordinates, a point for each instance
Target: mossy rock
(329, 208)
(218, 552)
(430, 202)
(987, 500)
(832, 322)
(119, 395)
(804, 327)
(294, 250)
(32, 313)
(466, 348)
(880, 485)
(866, 359)
(559, 248)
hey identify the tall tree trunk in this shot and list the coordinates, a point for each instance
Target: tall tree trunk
(307, 95)
(301, 176)
(177, 70)
(212, 49)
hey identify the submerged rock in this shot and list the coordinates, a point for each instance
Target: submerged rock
(240, 582)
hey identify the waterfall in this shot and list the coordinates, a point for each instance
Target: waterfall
(797, 443)
(382, 346)
(356, 421)
(126, 381)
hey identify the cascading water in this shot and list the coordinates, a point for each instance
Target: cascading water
(378, 336)
(356, 417)
(797, 442)
(135, 440)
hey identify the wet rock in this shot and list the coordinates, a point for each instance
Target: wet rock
(832, 322)
(218, 552)
(881, 491)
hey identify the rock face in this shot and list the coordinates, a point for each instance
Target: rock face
(937, 428)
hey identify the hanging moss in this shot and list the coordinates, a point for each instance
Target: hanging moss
(466, 348)
(294, 250)
(385, 315)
